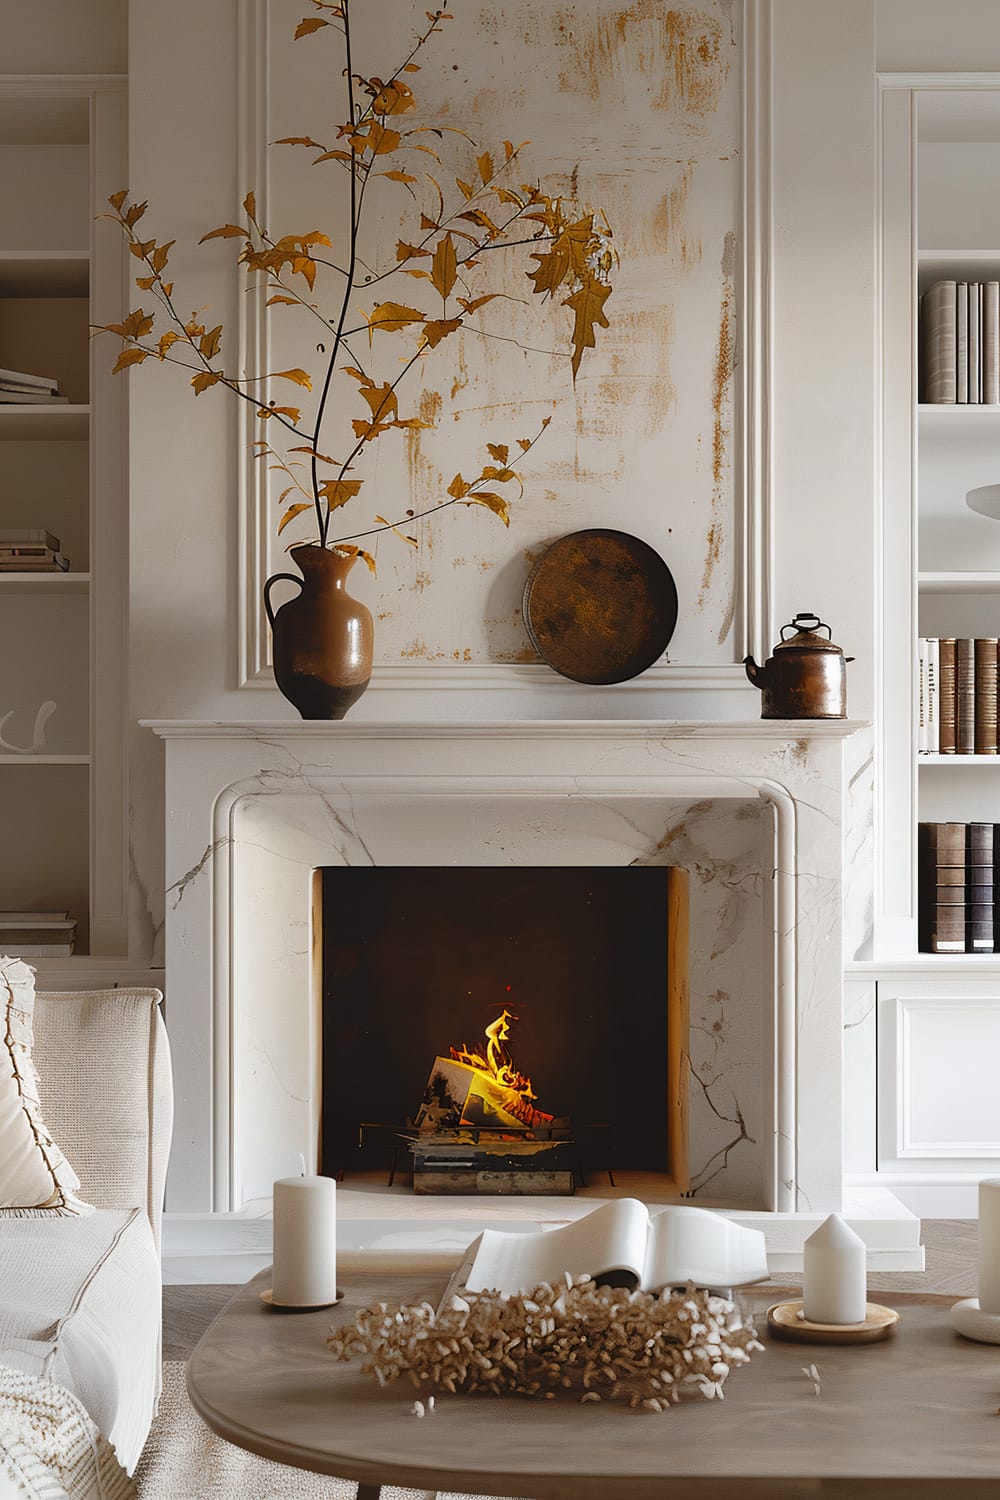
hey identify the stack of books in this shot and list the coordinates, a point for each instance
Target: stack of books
(31, 550)
(37, 934)
(20, 389)
(957, 697)
(956, 908)
(960, 343)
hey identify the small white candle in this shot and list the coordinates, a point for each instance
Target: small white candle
(834, 1288)
(305, 1242)
(989, 1245)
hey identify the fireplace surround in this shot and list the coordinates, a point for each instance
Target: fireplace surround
(753, 811)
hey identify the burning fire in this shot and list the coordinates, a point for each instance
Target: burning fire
(497, 1064)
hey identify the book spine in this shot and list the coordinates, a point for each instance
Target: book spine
(941, 872)
(965, 695)
(979, 889)
(991, 342)
(962, 343)
(974, 342)
(986, 696)
(933, 698)
(939, 343)
(921, 696)
(947, 723)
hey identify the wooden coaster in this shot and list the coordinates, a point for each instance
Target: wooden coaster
(785, 1321)
(268, 1301)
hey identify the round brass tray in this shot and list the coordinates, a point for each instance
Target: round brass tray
(785, 1321)
(600, 606)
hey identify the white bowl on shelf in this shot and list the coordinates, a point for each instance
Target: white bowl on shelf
(985, 500)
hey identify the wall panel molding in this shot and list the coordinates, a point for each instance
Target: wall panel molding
(754, 626)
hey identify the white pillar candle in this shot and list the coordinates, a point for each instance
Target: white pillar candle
(305, 1242)
(834, 1288)
(989, 1245)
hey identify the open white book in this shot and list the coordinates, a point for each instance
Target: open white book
(619, 1244)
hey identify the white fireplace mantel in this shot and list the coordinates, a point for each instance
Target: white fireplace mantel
(252, 809)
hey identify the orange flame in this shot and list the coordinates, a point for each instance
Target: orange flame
(496, 1061)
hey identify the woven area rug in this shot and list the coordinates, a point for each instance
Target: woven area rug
(184, 1460)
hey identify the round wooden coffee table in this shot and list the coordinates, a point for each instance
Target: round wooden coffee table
(915, 1416)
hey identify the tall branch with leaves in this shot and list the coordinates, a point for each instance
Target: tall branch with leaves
(458, 234)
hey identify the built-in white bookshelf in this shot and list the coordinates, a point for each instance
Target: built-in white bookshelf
(62, 152)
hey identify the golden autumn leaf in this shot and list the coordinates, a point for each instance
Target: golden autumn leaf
(410, 540)
(444, 266)
(209, 343)
(587, 302)
(499, 451)
(465, 188)
(313, 452)
(390, 317)
(304, 265)
(292, 301)
(300, 140)
(291, 513)
(376, 138)
(458, 487)
(129, 357)
(224, 232)
(337, 492)
(496, 503)
(332, 156)
(204, 379)
(473, 304)
(158, 259)
(350, 550)
(308, 25)
(485, 165)
(117, 199)
(393, 98)
(293, 413)
(436, 329)
(298, 376)
(141, 248)
(405, 251)
(250, 206)
(167, 341)
(397, 176)
(135, 213)
(145, 283)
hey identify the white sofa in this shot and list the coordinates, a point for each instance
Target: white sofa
(80, 1298)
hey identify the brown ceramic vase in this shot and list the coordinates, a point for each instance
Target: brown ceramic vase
(323, 638)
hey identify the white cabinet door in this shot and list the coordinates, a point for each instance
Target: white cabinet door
(939, 1075)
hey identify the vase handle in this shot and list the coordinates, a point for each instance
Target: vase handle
(277, 578)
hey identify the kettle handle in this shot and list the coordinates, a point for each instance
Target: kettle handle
(800, 623)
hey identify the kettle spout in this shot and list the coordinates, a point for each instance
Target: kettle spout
(759, 676)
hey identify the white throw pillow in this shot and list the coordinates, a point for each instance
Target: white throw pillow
(35, 1177)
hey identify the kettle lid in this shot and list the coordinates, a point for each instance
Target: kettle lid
(806, 637)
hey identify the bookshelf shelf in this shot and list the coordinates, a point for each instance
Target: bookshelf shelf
(44, 273)
(44, 760)
(44, 583)
(954, 761)
(47, 424)
(958, 583)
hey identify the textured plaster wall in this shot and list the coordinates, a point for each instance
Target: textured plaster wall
(634, 110)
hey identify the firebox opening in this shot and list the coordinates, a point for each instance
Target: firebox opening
(419, 967)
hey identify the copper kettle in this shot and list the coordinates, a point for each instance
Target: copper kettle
(806, 678)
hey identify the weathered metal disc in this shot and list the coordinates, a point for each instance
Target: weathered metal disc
(600, 606)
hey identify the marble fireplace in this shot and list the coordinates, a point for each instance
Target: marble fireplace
(753, 811)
